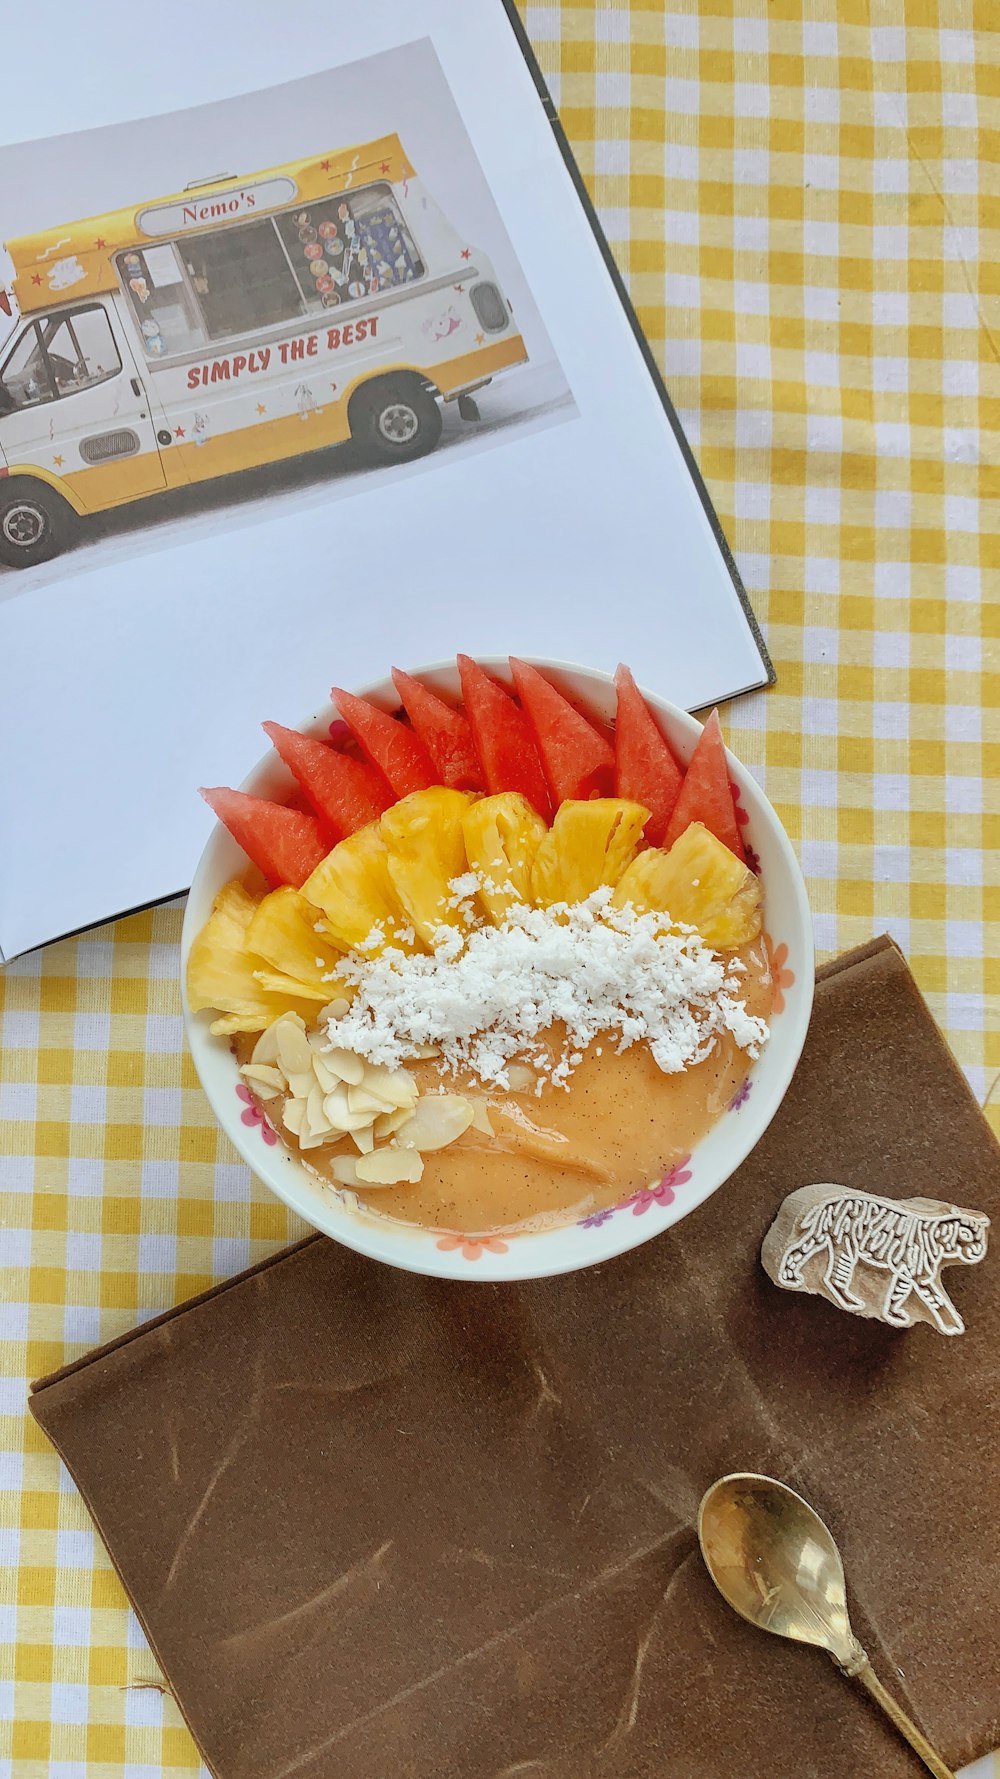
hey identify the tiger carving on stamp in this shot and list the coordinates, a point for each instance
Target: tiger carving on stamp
(834, 1242)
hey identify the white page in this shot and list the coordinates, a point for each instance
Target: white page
(139, 665)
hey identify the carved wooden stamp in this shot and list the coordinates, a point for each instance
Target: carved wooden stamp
(834, 1242)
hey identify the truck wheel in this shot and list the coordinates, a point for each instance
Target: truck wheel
(35, 523)
(394, 419)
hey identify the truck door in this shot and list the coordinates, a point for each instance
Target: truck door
(72, 404)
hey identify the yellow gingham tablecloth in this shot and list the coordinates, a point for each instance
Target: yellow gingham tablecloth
(806, 211)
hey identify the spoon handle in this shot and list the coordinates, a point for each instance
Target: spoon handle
(860, 1668)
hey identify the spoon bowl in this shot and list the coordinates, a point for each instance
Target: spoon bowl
(775, 1561)
(770, 1555)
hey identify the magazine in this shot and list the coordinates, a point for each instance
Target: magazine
(312, 355)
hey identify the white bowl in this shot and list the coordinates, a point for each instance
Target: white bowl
(647, 1212)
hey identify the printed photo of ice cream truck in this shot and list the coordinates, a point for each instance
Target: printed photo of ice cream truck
(239, 323)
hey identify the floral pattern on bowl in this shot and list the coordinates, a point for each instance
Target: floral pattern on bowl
(472, 1247)
(252, 1114)
(741, 1096)
(782, 977)
(661, 1192)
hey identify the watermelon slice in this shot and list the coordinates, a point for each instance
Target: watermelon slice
(576, 760)
(444, 732)
(392, 748)
(705, 794)
(645, 769)
(503, 738)
(286, 844)
(344, 794)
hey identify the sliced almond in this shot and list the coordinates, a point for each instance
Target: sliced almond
(360, 1100)
(481, 1118)
(333, 1010)
(389, 1122)
(267, 1080)
(301, 1086)
(344, 1169)
(294, 1053)
(423, 1051)
(388, 1167)
(293, 1115)
(364, 1140)
(395, 1087)
(346, 1065)
(325, 1076)
(439, 1118)
(266, 1048)
(316, 1121)
(522, 1079)
(338, 1111)
(309, 1139)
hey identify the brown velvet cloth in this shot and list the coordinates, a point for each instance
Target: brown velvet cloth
(378, 1526)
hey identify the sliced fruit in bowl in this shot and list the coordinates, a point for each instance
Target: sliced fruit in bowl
(353, 892)
(343, 793)
(502, 736)
(461, 914)
(700, 882)
(224, 973)
(502, 835)
(285, 844)
(445, 732)
(577, 760)
(588, 844)
(425, 843)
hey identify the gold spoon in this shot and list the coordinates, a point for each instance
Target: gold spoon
(773, 1559)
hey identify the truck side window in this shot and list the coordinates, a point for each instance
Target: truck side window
(24, 381)
(58, 355)
(164, 306)
(346, 248)
(242, 279)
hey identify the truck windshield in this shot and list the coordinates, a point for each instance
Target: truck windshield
(25, 380)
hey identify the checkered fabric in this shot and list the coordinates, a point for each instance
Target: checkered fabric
(805, 211)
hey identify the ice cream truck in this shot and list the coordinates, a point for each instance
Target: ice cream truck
(235, 324)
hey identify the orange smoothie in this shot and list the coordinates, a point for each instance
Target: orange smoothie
(559, 1155)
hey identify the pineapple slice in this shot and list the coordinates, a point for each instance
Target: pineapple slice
(353, 891)
(276, 982)
(502, 835)
(423, 835)
(220, 969)
(228, 1025)
(283, 934)
(588, 844)
(700, 882)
